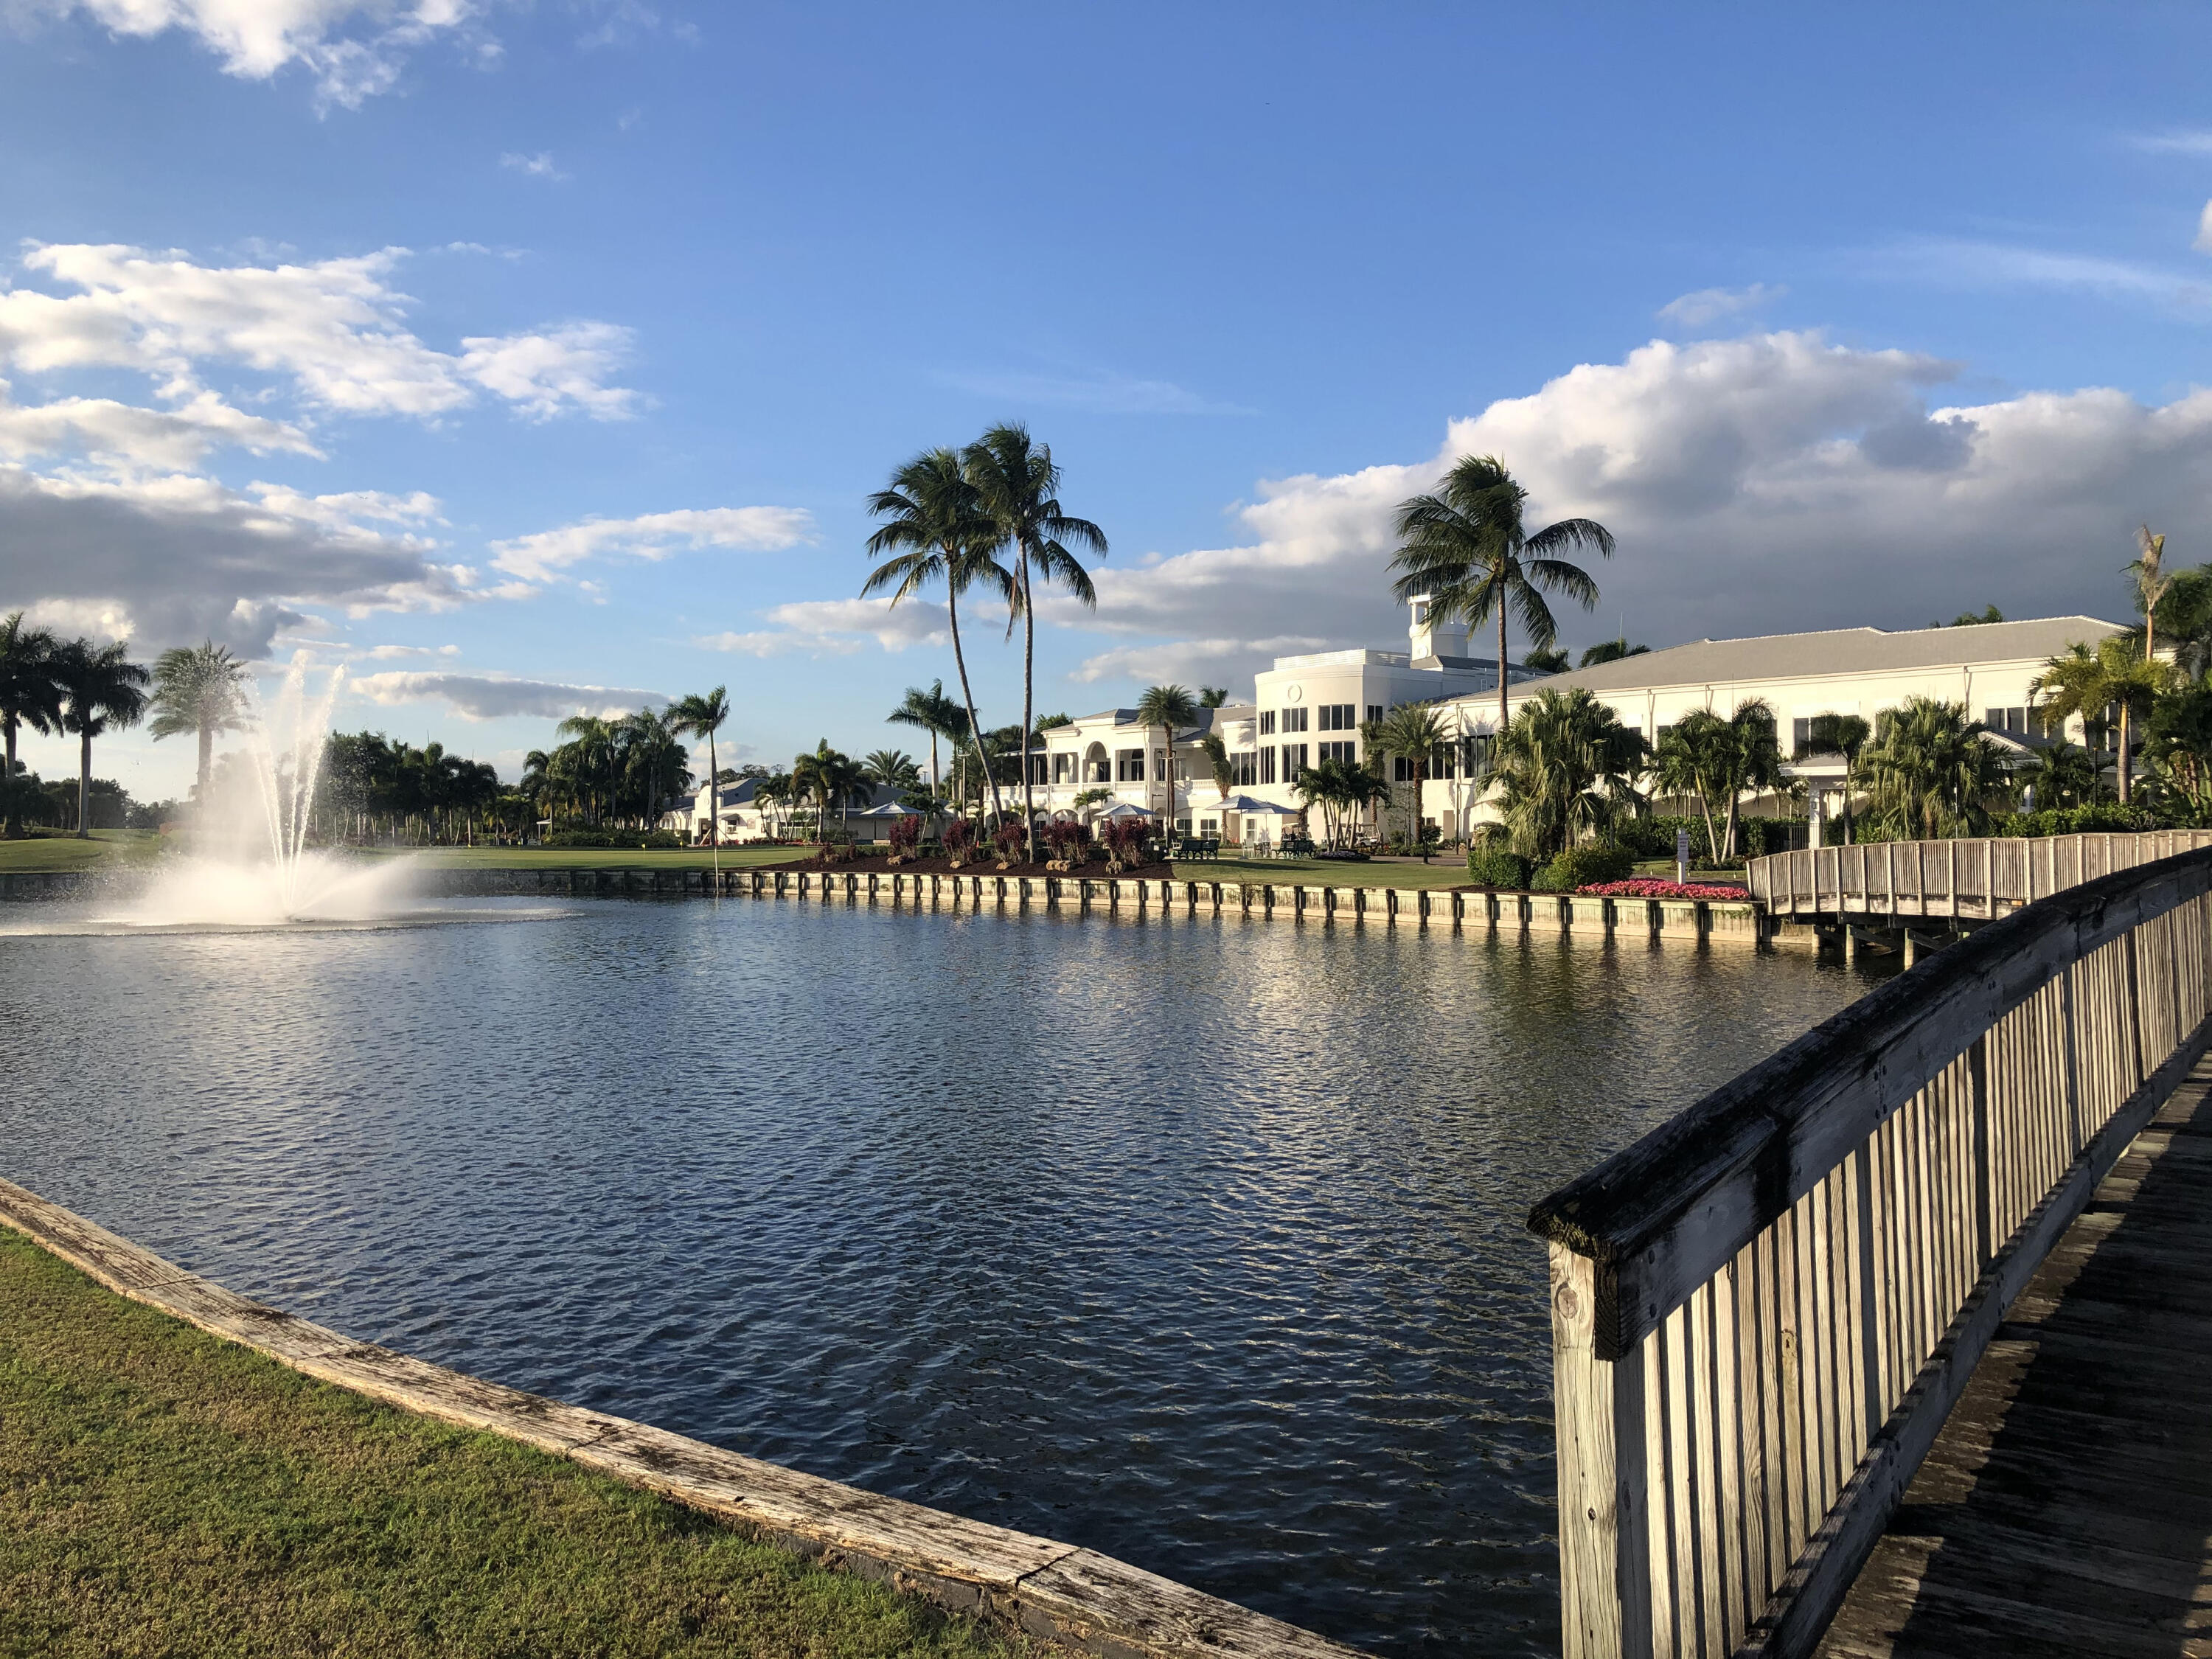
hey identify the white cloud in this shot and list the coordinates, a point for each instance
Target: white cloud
(500, 696)
(1971, 264)
(1756, 485)
(538, 166)
(838, 628)
(354, 48)
(2177, 142)
(540, 556)
(333, 330)
(1230, 662)
(126, 436)
(1710, 304)
(2202, 242)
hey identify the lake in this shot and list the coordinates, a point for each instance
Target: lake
(1198, 1242)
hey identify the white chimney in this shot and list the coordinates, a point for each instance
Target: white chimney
(1434, 636)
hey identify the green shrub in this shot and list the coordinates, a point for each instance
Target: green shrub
(1490, 865)
(1584, 866)
(2099, 817)
(624, 839)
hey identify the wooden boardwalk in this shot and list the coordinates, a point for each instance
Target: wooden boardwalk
(2066, 1508)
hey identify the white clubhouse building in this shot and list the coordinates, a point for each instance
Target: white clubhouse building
(1305, 709)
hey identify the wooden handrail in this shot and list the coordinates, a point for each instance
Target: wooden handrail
(1764, 1310)
(1972, 878)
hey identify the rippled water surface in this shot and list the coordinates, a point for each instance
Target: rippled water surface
(1200, 1243)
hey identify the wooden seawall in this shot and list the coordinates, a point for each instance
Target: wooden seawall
(1709, 920)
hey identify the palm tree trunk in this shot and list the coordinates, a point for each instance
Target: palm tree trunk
(714, 807)
(2124, 779)
(968, 696)
(11, 820)
(1501, 666)
(1028, 676)
(207, 752)
(84, 786)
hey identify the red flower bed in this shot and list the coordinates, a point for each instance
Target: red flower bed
(1645, 887)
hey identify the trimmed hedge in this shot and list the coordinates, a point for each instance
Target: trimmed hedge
(1584, 866)
(1489, 865)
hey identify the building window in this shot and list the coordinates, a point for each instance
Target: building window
(1477, 758)
(1340, 751)
(1294, 761)
(1267, 764)
(1244, 768)
(1129, 765)
(1268, 723)
(1063, 768)
(1374, 711)
(1402, 769)
(2011, 720)
(1339, 717)
(1443, 760)
(1294, 720)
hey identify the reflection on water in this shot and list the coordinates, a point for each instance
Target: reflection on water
(1198, 1242)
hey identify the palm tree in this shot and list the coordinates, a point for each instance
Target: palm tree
(650, 762)
(1612, 651)
(1018, 484)
(101, 688)
(1718, 760)
(1412, 731)
(932, 712)
(1567, 768)
(1170, 708)
(1929, 769)
(589, 755)
(832, 779)
(2185, 613)
(1218, 761)
(2066, 775)
(938, 530)
(29, 695)
(1337, 788)
(1212, 696)
(1466, 550)
(701, 716)
(1844, 735)
(892, 768)
(2085, 683)
(2150, 583)
(198, 689)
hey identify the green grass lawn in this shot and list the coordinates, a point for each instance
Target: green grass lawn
(107, 849)
(165, 1492)
(597, 857)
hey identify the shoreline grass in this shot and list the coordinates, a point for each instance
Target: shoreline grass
(163, 1492)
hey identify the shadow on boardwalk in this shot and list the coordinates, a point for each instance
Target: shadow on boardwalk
(2067, 1507)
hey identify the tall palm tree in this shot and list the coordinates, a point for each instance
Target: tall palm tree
(894, 769)
(936, 530)
(1844, 735)
(102, 689)
(199, 689)
(832, 779)
(592, 754)
(1412, 731)
(1212, 696)
(1018, 484)
(702, 715)
(932, 712)
(1467, 549)
(2151, 582)
(1168, 707)
(29, 695)
(2085, 683)
(2185, 612)
(1567, 768)
(1929, 769)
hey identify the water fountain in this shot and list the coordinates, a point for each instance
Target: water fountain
(249, 864)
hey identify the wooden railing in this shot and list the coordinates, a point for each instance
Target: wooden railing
(1764, 1310)
(1972, 878)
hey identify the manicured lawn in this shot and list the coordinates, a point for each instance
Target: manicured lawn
(107, 849)
(164, 1492)
(1448, 871)
(597, 857)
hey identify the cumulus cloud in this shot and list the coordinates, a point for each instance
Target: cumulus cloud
(355, 49)
(185, 558)
(542, 556)
(1708, 306)
(332, 330)
(1756, 485)
(498, 696)
(837, 628)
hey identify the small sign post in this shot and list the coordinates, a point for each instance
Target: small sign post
(1681, 855)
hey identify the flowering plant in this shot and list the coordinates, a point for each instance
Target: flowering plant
(1648, 887)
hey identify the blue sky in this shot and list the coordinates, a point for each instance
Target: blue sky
(404, 333)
